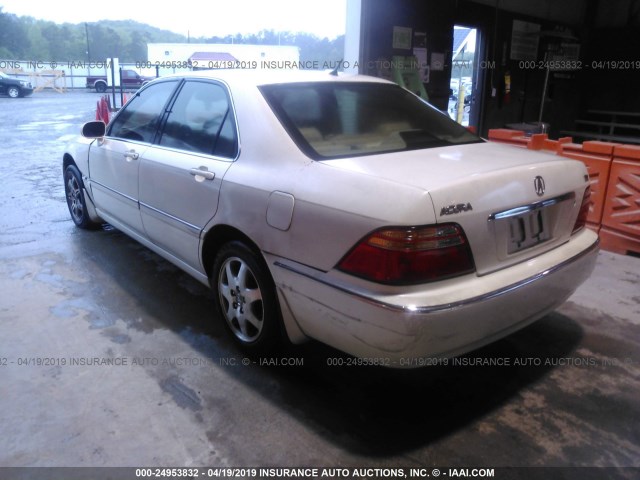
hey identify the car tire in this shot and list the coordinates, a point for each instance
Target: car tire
(246, 299)
(13, 92)
(101, 87)
(73, 189)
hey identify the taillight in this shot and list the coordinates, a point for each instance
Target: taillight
(581, 221)
(410, 255)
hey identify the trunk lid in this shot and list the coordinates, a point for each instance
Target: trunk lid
(513, 204)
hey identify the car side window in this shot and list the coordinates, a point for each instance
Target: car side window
(140, 118)
(201, 121)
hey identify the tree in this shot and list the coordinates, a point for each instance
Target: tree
(104, 42)
(14, 41)
(25, 38)
(136, 50)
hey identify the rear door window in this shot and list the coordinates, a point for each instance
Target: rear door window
(201, 121)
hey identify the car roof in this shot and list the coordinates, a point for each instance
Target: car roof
(248, 78)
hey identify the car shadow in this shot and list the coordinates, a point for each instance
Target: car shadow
(366, 410)
(380, 412)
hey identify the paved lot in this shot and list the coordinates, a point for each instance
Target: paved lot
(110, 356)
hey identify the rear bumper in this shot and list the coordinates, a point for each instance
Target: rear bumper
(400, 328)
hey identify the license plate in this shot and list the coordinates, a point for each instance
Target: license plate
(527, 230)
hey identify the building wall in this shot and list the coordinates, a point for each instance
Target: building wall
(611, 38)
(561, 23)
(619, 14)
(569, 12)
(434, 18)
(522, 104)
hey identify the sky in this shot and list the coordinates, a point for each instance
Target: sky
(198, 18)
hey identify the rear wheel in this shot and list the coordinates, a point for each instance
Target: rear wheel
(246, 298)
(75, 198)
(13, 92)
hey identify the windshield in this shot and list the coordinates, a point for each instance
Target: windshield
(340, 119)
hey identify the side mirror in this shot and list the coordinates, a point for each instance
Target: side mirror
(95, 129)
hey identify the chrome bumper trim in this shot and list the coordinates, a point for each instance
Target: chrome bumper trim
(447, 306)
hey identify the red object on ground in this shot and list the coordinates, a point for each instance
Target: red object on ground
(102, 111)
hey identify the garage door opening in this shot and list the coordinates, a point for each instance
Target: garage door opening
(464, 101)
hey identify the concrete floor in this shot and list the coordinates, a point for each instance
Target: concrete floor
(71, 300)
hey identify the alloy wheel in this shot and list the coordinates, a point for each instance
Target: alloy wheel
(74, 198)
(241, 299)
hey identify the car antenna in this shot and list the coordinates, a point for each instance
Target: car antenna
(334, 72)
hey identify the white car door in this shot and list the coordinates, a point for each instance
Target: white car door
(114, 162)
(180, 176)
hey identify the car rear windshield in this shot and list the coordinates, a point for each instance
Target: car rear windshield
(345, 119)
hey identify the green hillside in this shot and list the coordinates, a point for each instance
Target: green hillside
(25, 38)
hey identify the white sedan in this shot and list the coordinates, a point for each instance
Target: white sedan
(339, 208)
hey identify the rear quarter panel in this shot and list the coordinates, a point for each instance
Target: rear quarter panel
(333, 207)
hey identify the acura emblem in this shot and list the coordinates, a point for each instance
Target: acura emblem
(538, 184)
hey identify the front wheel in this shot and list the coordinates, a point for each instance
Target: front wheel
(101, 87)
(246, 298)
(75, 198)
(13, 92)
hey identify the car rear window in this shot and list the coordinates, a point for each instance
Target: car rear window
(344, 119)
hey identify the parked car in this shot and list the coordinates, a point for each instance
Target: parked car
(130, 79)
(14, 87)
(339, 208)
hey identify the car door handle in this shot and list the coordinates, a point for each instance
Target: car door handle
(199, 172)
(131, 155)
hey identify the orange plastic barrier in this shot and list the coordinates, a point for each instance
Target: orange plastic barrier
(555, 145)
(597, 157)
(620, 230)
(538, 141)
(512, 137)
